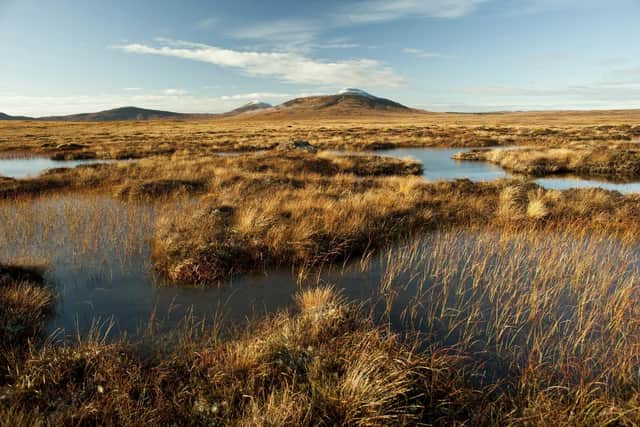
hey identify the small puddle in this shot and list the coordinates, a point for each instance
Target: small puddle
(34, 166)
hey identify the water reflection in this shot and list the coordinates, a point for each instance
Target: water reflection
(34, 166)
(439, 165)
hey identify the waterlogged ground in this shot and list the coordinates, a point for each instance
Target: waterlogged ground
(437, 162)
(98, 253)
(97, 250)
(439, 165)
(33, 166)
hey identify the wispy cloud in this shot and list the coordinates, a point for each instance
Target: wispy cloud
(420, 53)
(174, 92)
(287, 66)
(368, 11)
(208, 22)
(58, 105)
(288, 34)
(255, 96)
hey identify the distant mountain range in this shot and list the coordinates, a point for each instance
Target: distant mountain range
(347, 102)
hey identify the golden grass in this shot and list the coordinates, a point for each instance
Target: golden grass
(25, 301)
(158, 177)
(520, 309)
(121, 140)
(611, 160)
(279, 372)
(234, 230)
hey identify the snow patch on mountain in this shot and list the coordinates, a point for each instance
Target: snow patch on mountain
(355, 91)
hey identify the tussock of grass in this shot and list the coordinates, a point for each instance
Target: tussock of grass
(232, 233)
(158, 177)
(612, 160)
(161, 188)
(25, 302)
(237, 229)
(329, 367)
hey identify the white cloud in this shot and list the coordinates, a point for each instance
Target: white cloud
(174, 92)
(426, 54)
(131, 89)
(60, 105)
(287, 66)
(386, 10)
(282, 33)
(256, 95)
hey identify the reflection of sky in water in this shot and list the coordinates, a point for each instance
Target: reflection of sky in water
(438, 164)
(564, 183)
(34, 166)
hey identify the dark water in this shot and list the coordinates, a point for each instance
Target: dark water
(98, 252)
(100, 262)
(34, 166)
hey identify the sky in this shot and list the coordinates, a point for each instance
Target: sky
(72, 56)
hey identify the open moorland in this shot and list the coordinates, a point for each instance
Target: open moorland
(499, 302)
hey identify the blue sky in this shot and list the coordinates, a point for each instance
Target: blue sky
(69, 56)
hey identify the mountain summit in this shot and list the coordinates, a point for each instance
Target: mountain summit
(356, 92)
(346, 102)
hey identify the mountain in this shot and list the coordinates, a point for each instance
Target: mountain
(349, 99)
(347, 102)
(249, 108)
(118, 114)
(4, 116)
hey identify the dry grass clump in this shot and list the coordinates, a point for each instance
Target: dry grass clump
(161, 188)
(552, 316)
(360, 165)
(248, 224)
(591, 206)
(611, 160)
(25, 302)
(325, 367)
(181, 174)
(233, 232)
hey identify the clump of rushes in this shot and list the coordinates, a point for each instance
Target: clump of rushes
(25, 301)
(160, 188)
(614, 160)
(325, 365)
(184, 175)
(232, 233)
